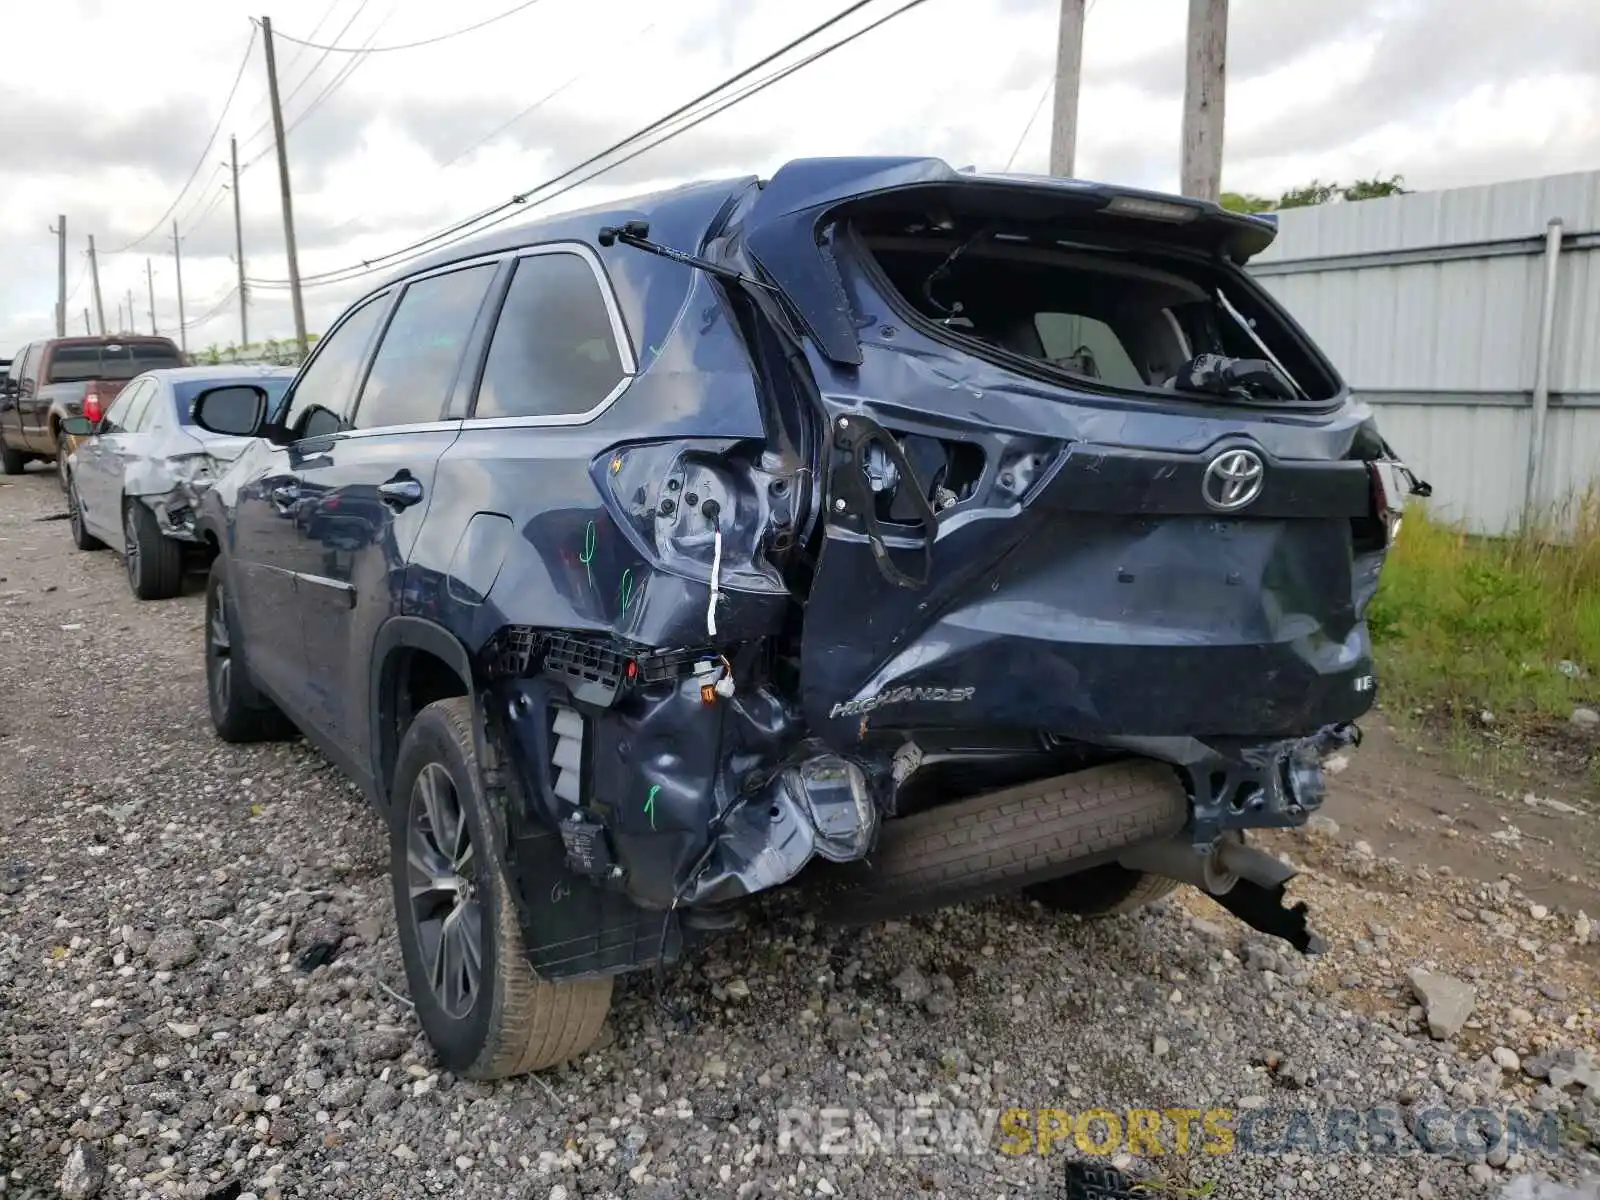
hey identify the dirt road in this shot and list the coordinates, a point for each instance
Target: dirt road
(200, 994)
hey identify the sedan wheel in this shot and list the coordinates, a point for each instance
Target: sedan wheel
(63, 476)
(219, 653)
(442, 883)
(130, 545)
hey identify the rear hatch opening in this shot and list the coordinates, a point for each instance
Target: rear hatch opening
(1087, 304)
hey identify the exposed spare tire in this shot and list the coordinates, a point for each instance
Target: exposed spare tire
(1008, 840)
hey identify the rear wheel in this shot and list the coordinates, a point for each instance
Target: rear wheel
(483, 1008)
(81, 537)
(11, 461)
(1102, 891)
(239, 713)
(154, 561)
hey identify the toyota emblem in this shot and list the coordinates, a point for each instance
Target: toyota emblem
(1232, 480)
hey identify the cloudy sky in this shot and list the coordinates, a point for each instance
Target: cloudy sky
(105, 116)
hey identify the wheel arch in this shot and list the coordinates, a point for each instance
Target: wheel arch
(415, 662)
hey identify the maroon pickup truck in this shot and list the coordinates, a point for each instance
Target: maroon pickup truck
(51, 380)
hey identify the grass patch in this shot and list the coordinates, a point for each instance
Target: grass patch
(1461, 624)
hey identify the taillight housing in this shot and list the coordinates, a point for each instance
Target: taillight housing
(1388, 498)
(92, 409)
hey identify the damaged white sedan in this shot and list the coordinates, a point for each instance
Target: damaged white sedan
(135, 476)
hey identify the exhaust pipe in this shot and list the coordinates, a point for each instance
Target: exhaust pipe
(1217, 872)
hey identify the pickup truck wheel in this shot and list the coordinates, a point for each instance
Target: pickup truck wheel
(239, 713)
(483, 1008)
(1102, 891)
(81, 537)
(154, 561)
(11, 461)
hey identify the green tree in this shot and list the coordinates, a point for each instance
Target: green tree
(1316, 192)
(1245, 202)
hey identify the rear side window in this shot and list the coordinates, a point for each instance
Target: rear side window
(133, 417)
(116, 417)
(554, 352)
(114, 360)
(1086, 346)
(421, 351)
(321, 399)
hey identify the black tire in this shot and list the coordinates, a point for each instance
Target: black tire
(81, 537)
(1102, 891)
(1008, 840)
(154, 561)
(503, 1020)
(11, 461)
(239, 713)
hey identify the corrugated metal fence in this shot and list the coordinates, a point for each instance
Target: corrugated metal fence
(1432, 306)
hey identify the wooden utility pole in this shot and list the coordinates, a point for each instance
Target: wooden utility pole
(88, 329)
(60, 230)
(120, 325)
(94, 275)
(283, 186)
(133, 321)
(1204, 90)
(238, 248)
(1069, 69)
(177, 267)
(150, 280)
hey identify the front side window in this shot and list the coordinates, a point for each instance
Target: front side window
(554, 352)
(416, 363)
(321, 398)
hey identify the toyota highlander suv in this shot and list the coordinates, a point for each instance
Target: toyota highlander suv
(903, 534)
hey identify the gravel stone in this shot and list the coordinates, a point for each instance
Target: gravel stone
(1446, 1000)
(173, 948)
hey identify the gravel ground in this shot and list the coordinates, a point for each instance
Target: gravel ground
(201, 995)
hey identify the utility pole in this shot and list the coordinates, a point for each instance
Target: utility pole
(150, 281)
(133, 322)
(238, 248)
(1069, 67)
(88, 329)
(1204, 91)
(177, 266)
(94, 273)
(60, 230)
(283, 185)
(120, 326)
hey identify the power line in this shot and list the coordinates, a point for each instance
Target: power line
(199, 162)
(266, 122)
(338, 81)
(215, 310)
(433, 41)
(518, 202)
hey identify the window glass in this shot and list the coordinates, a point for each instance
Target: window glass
(114, 360)
(553, 352)
(417, 360)
(134, 419)
(116, 417)
(15, 370)
(1088, 347)
(321, 399)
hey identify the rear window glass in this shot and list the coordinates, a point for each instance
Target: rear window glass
(187, 391)
(115, 360)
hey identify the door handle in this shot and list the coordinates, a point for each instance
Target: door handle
(283, 497)
(402, 492)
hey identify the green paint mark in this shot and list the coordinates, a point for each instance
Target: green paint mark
(650, 804)
(625, 591)
(586, 557)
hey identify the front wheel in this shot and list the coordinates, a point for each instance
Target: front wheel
(11, 461)
(483, 1008)
(154, 561)
(239, 713)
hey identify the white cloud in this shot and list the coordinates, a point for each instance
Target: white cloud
(1444, 91)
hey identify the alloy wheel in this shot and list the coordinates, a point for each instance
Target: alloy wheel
(441, 883)
(130, 545)
(74, 513)
(219, 652)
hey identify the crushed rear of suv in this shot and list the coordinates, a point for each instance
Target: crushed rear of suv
(902, 533)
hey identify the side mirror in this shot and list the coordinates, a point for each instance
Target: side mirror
(237, 410)
(77, 426)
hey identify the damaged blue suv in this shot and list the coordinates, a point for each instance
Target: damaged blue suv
(903, 534)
